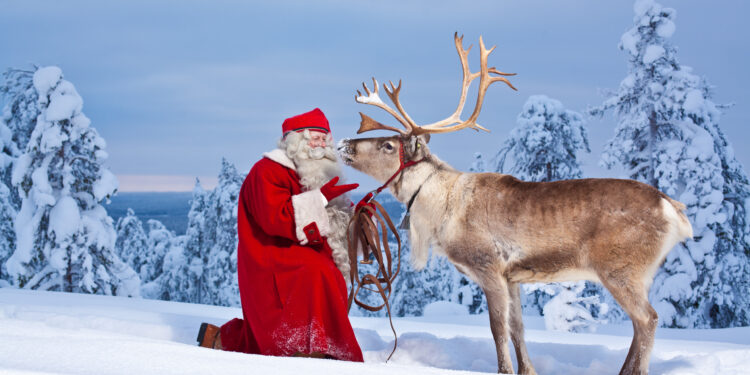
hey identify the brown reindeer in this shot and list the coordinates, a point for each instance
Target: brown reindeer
(501, 231)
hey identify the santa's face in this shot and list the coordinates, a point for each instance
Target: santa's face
(317, 139)
(313, 154)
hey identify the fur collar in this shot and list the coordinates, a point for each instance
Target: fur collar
(278, 155)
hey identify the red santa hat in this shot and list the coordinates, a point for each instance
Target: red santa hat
(313, 120)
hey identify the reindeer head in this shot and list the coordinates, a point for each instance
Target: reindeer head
(381, 157)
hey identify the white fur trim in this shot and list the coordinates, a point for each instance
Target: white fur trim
(278, 155)
(310, 207)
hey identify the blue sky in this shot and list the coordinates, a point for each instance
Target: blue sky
(174, 86)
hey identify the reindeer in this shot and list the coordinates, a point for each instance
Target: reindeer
(501, 231)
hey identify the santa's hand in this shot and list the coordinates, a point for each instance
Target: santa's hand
(331, 191)
(363, 203)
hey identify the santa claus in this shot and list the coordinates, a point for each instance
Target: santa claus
(292, 256)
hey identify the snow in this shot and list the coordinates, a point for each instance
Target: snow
(444, 308)
(666, 29)
(629, 42)
(694, 102)
(105, 185)
(641, 7)
(53, 333)
(653, 53)
(25, 227)
(64, 103)
(64, 217)
(46, 78)
(373, 98)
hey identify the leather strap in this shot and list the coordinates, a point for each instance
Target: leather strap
(363, 230)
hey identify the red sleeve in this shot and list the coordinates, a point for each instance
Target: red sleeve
(269, 195)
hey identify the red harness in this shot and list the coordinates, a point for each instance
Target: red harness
(369, 196)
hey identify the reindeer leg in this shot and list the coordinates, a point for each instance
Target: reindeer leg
(496, 291)
(516, 331)
(632, 297)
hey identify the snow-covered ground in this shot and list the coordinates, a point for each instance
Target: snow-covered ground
(62, 333)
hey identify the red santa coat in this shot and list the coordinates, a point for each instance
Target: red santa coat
(294, 299)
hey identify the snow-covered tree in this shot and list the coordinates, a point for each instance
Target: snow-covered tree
(668, 136)
(196, 248)
(131, 244)
(478, 165)
(18, 121)
(65, 239)
(545, 144)
(568, 310)
(159, 242)
(222, 256)
(163, 273)
(7, 233)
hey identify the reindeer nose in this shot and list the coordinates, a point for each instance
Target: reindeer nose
(345, 151)
(344, 146)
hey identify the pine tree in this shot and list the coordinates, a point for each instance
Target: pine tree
(197, 248)
(163, 272)
(159, 242)
(18, 121)
(65, 239)
(131, 244)
(222, 256)
(173, 281)
(568, 310)
(478, 165)
(668, 136)
(545, 144)
(545, 147)
(7, 233)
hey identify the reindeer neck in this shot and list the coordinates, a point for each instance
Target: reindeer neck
(421, 178)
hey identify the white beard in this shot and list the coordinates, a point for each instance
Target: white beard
(315, 167)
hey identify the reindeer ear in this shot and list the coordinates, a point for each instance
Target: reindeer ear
(413, 143)
(425, 138)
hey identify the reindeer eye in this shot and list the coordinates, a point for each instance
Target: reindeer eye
(388, 146)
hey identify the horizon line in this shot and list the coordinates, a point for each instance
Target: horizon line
(142, 183)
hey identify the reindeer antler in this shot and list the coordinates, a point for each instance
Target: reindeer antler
(450, 123)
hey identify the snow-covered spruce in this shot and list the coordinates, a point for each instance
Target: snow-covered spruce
(197, 247)
(65, 239)
(7, 233)
(668, 135)
(163, 274)
(200, 266)
(545, 144)
(131, 244)
(18, 121)
(221, 267)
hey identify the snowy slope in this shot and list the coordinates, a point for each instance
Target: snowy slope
(61, 333)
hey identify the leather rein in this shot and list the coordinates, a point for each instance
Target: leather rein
(368, 229)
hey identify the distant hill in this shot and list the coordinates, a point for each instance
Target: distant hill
(169, 208)
(172, 208)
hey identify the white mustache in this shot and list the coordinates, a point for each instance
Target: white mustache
(317, 153)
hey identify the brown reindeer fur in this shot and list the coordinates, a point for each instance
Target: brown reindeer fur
(501, 231)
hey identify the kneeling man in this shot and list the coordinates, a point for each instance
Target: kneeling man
(292, 258)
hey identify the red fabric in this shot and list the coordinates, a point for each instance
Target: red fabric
(330, 190)
(294, 299)
(314, 120)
